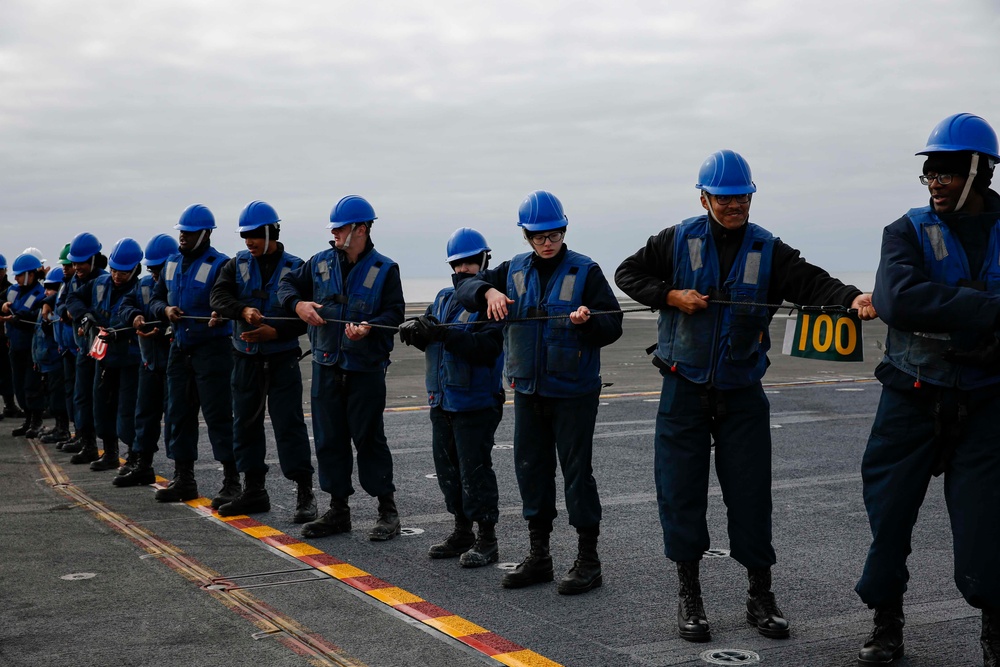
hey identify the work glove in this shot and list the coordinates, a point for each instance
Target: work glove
(411, 334)
(431, 328)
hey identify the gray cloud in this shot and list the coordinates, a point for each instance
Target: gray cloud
(115, 116)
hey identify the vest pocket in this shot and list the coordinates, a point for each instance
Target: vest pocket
(562, 359)
(520, 358)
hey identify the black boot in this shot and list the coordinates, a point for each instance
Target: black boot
(252, 500)
(692, 623)
(88, 452)
(141, 473)
(585, 574)
(990, 638)
(336, 520)
(22, 430)
(59, 434)
(109, 460)
(75, 444)
(461, 540)
(537, 567)
(762, 609)
(885, 643)
(231, 487)
(485, 549)
(305, 502)
(35, 426)
(182, 487)
(131, 461)
(387, 525)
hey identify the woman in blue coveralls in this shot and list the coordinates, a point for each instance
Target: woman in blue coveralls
(553, 364)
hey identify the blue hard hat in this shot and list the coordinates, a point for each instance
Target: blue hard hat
(126, 255)
(83, 246)
(962, 132)
(196, 218)
(351, 210)
(725, 173)
(3, 262)
(257, 214)
(541, 211)
(466, 242)
(158, 249)
(56, 275)
(25, 263)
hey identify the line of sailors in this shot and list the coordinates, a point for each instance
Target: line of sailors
(221, 334)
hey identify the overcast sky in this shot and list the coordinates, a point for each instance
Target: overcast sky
(115, 116)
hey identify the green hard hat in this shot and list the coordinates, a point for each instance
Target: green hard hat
(64, 256)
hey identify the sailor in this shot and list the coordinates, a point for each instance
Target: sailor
(20, 312)
(47, 355)
(266, 365)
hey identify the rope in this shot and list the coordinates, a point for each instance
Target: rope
(790, 306)
(536, 318)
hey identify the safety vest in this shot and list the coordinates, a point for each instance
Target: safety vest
(724, 346)
(264, 299)
(123, 350)
(452, 382)
(25, 303)
(547, 357)
(190, 288)
(44, 348)
(63, 332)
(921, 355)
(358, 301)
(153, 349)
(75, 284)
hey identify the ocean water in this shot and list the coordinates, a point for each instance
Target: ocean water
(423, 290)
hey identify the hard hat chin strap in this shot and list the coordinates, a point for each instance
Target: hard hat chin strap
(267, 238)
(350, 235)
(968, 182)
(711, 213)
(201, 237)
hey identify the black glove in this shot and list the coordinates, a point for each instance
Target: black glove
(108, 336)
(985, 355)
(431, 328)
(406, 331)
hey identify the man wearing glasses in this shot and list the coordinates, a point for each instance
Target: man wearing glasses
(938, 289)
(712, 358)
(553, 364)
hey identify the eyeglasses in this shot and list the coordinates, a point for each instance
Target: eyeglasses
(551, 237)
(943, 179)
(725, 199)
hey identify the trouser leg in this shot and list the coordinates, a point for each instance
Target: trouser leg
(213, 369)
(972, 491)
(743, 465)
(250, 449)
(83, 394)
(682, 456)
(895, 470)
(284, 404)
(573, 420)
(182, 408)
(331, 434)
(149, 409)
(535, 457)
(365, 405)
